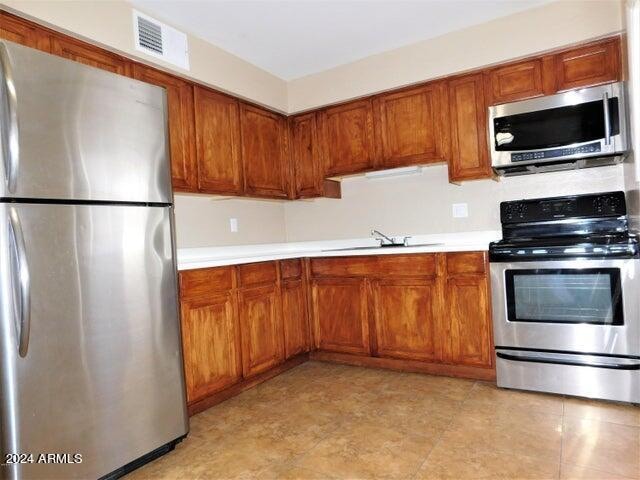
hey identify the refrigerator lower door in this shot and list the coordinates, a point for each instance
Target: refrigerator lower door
(98, 372)
(70, 131)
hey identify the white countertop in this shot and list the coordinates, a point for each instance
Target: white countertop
(191, 258)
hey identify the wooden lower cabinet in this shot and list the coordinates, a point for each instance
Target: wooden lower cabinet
(467, 298)
(339, 307)
(294, 318)
(260, 329)
(210, 344)
(406, 316)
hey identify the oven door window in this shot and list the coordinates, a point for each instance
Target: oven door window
(554, 127)
(591, 295)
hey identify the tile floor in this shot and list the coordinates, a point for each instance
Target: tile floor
(324, 421)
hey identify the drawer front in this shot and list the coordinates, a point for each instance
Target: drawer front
(291, 268)
(416, 265)
(257, 273)
(466, 263)
(203, 281)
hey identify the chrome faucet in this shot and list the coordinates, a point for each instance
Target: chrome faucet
(382, 237)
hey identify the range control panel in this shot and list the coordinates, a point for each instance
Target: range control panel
(611, 204)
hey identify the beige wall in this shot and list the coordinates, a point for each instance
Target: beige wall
(549, 26)
(421, 204)
(109, 23)
(203, 221)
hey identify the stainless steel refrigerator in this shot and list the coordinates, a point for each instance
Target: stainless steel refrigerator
(90, 338)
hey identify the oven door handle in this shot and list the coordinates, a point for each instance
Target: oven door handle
(556, 360)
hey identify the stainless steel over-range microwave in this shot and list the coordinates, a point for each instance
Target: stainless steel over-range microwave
(575, 129)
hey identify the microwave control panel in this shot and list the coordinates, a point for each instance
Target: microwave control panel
(556, 152)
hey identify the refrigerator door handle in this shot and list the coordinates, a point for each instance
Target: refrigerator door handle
(23, 281)
(8, 120)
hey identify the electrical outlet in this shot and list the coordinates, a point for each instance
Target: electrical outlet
(233, 225)
(460, 210)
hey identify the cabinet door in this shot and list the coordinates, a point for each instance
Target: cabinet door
(217, 142)
(348, 138)
(184, 173)
(24, 33)
(412, 126)
(516, 81)
(468, 110)
(294, 318)
(305, 156)
(260, 327)
(264, 152)
(467, 298)
(589, 65)
(211, 345)
(90, 55)
(340, 315)
(407, 319)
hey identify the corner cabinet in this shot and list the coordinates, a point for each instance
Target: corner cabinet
(468, 109)
(180, 108)
(304, 149)
(217, 124)
(264, 152)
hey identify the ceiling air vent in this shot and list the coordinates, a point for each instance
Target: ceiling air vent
(160, 40)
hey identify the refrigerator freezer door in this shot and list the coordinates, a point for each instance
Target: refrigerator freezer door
(69, 131)
(100, 372)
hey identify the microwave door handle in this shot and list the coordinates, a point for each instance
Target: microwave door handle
(607, 119)
(8, 119)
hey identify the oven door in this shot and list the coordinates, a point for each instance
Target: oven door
(581, 306)
(582, 123)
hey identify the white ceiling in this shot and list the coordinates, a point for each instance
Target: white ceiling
(291, 39)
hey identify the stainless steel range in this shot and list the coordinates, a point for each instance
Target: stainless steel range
(566, 297)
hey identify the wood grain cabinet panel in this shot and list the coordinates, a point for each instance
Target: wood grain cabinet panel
(592, 64)
(260, 329)
(412, 126)
(516, 81)
(294, 318)
(469, 311)
(264, 152)
(306, 162)
(202, 281)
(339, 307)
(217, 122)
(253, 274)
(180, 109)
(90, 55)
(407, 319)
(24, 33)
(468, 110)
(210, 344)
(348, 138)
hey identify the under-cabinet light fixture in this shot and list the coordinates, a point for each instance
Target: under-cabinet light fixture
(394, 172)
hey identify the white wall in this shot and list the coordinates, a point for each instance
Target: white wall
(547, 27)
(421, 204)
(203, 221)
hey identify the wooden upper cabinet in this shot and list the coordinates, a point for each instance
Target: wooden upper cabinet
(25, 33)
(211, 344)
(339, 309)
(90, 55)
(468, 109)
(348, 144)
(305, 156)
(592, 64)
(184, 170)
(412, 126)
(468, 309)
(264, 152)
(521, 80)
(294, 317)
(261, 330)
(217, 123)
(406, 315)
